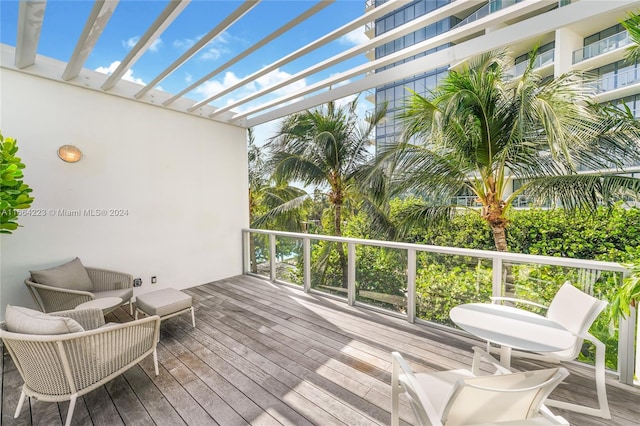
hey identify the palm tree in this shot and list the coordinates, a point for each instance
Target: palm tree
(632, 25)
(326, 148)
(272, 203)
(481, 130)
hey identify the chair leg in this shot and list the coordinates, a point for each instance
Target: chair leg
(72, 406)
(155, 361)
(193, 317)
(395, 395)
(131, 306)
(20, 403)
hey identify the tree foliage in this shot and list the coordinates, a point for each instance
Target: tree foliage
(481, 129)
(14, 193)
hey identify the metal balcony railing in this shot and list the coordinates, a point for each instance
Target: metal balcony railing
(289, 258)
(600, 47)
(610, 82)
(544, 58)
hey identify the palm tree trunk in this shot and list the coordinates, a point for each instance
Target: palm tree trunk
(341, 254)
(500, 240)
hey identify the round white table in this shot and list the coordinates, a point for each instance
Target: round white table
(510, 328)
(107, 304)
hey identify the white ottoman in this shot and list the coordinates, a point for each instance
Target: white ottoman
(165, 303)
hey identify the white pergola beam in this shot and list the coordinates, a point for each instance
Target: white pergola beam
(345, 29)
(277, 33)
(96, 23)
(492, 40)
(30, 17)
(245, 7)
(170, 12)
(401, 31)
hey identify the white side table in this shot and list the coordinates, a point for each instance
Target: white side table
(107, 304)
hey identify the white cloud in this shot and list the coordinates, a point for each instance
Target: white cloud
(215, 48)
(132, 41)
(276, 76)
(128, 44)
(188, 77)
(127, 76)
(156, 45)
(211, 87)
(354, 38)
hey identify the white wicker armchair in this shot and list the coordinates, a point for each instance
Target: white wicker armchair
(66, 294)
(63, 367)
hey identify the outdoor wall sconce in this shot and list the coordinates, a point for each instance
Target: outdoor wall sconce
(70, 153)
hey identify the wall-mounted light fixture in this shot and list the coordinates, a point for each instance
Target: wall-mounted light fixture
(69, 153)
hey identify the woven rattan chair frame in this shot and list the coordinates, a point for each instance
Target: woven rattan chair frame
(54, 299)
(63, 367)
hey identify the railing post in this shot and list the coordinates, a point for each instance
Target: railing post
(246, 255)
(497, 277)
(627, 362)
(411, 285)
(272, 257)
(351, 273)
(306, 260)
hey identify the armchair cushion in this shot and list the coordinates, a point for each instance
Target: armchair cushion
(27, 321)
(72, 275)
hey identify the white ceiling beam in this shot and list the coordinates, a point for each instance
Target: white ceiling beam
(345, 29)
(277, 33)
(30, 17)
(401, 31)
(245, 7)
(171, 12)
(93, 28)
(492, 40)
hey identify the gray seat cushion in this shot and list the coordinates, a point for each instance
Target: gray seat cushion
(27, 321)
(163, 302)
(123, 293)
(72, 275)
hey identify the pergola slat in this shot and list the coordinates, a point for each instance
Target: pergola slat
(245, 7)
(30, 17)
(171, 12)
(277, 33)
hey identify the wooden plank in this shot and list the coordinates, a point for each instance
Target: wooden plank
(253, 382)
(298, 378)
(160, 410)
(124, 399)
(102, 410)
(175, 395)
(210, 388)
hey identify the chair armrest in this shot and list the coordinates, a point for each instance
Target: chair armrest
(89, 319)
(514, 300)
(53, 299)
(105, 280)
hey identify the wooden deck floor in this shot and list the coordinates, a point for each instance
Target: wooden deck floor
(263, 354)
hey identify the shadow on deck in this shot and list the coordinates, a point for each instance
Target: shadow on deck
(267, 354)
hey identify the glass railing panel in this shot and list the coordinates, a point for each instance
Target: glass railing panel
(289, 260)
(444, 281)
(329, 267)
(381, 277)
(616, 81)
(603, 46)
(544, 58)
(259, 261)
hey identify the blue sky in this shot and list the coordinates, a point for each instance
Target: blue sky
(64, 21)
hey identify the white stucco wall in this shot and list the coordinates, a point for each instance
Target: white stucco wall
(181, 182)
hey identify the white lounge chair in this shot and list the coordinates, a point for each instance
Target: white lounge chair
(458, 397)
(575, 311)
